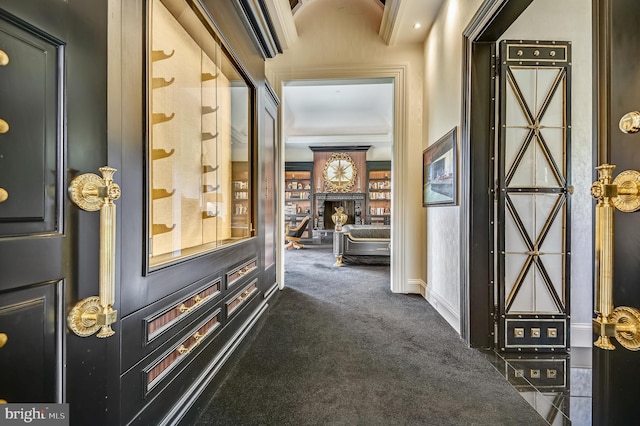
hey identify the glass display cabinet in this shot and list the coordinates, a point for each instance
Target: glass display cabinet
(199, 175)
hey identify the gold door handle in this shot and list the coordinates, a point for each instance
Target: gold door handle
(4, 58)
(91, 192)
(630, 122)
(3, 339)
(622, 323)
(4, 126)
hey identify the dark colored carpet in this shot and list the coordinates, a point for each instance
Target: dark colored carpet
(338, 348)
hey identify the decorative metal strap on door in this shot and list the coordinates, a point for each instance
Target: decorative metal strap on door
(533, 196)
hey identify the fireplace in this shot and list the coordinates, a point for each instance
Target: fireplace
(326, 202)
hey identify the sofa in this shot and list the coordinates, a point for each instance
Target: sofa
(362, 244)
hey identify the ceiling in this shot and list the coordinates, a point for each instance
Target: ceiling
(353, 112)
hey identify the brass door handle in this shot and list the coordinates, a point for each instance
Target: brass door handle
(91, 192)
(622, 322)
(3, 339)
(630, 122)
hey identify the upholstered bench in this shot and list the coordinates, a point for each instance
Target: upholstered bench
(362, 243)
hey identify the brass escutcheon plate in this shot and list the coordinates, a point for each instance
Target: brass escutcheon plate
(629, 180)
(84, 189)
(630, 319)
(81, 318)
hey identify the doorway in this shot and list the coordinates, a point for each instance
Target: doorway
(338, 142)
(395, 77)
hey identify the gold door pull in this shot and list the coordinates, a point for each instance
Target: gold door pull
(4, 58)
(622, 322)
(3, 339)
(4, 195)
(91, 192)
(4, 126)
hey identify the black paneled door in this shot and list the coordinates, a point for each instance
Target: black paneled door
(533, 196)
(616, 373)
(52, 126)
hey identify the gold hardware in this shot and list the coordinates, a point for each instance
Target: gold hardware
(3, 401)
(518, 332)
(520, 53)
(4, 58)
(536, 53)
(535, 374)
(3, 339)
(552, 53)
(622, 323)
(630, 122)
(183, 350)
(519, 373)
(552, 333)
(552, 374)
(535, 332)
(244, 295)
(4, 126)
(91, 192)
(197, 302)
(3, 195)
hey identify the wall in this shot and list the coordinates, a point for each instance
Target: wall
(339, 39)
(544, 20)
(442, 103)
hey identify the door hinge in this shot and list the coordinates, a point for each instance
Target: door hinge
(496, 66)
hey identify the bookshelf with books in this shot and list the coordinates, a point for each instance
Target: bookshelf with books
(298, 194)
(378, 193)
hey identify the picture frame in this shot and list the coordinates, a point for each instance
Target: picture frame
(440, 171)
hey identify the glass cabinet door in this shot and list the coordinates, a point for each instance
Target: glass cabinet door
(199, 175)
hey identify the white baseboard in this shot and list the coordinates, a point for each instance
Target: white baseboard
(581, 335)
(444, 308)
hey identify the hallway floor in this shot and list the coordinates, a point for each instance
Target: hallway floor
(337, 347)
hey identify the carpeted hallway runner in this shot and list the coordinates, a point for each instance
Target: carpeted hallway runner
(338, 348)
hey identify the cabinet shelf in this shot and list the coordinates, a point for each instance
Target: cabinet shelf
(159, 55)
(157, 154)
(379, 193)
(160, 117)
(209, 110)
(159, 82)
(158, 194)
(161, 228)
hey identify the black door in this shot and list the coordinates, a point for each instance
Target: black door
(270, 189)
(53, 112)
(533, 151)
(616, 372)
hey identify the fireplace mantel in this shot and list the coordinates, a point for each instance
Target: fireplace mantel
(356, 197)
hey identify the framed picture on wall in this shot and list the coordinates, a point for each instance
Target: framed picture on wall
(440, 171)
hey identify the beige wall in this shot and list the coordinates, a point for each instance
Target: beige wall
(339, 39)
(568, 20)
(443, 100)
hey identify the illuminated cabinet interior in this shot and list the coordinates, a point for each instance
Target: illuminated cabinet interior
(198, 106)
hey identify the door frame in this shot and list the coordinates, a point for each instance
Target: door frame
(398, 73)
(484, 30)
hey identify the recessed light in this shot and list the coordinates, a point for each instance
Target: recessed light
(417, 25)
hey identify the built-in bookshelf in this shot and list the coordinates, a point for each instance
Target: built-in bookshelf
(298, 194)
(378, 193)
